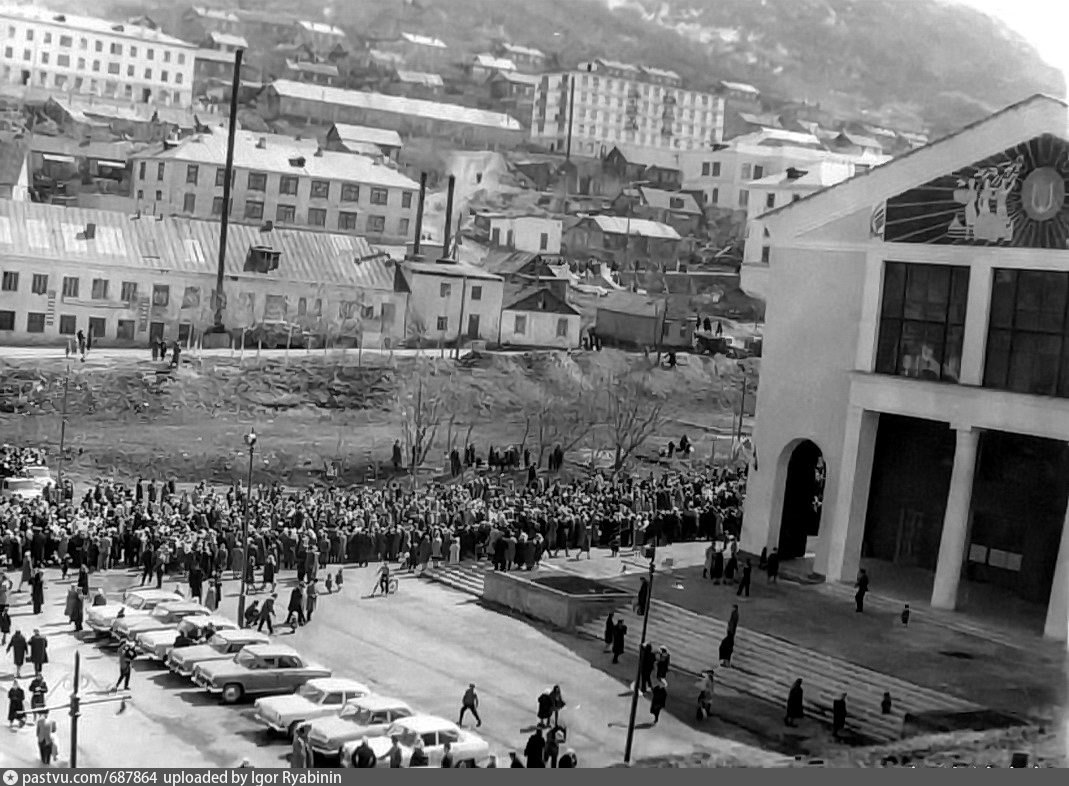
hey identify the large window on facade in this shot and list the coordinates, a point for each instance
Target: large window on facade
(922, 321)
(1028, 333)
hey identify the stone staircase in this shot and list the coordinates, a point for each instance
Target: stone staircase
(765, 667)
(464, 577)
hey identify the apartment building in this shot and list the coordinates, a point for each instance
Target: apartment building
(81, 54)
(277, 179)
(320, 36)
(605, 103)
(419, 52)
(527, 58)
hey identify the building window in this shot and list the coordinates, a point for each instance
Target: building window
(758, 172)
(320, 189)
(220, 177)
(160, 170)
(317, 217)
(189, 203)
(562, 327)
(520, 325)
(257, 181)
(347, 221)
(770, 201)
(70, 286)
(477, 293)
(543, 241)
(159, 196)
(68, 324)
(388, 314)
(744, 198)
(167, 55)
(217, 206)
(125, 330)
(128, 293)
(379, 196)
(376, 223)
(10, 281)
(163, 75)
(714, 196)
(254, 210)
(113, 69)
(747, 172)
(39, 284)
(367, 312)
(406, 199)
(350, 192)
(443, 324)
(1028, 333)
(445, 289)
(287, 184)
(302, 307)
(98, 46)
(706, 168)
(7, 320)
(100, 289)
(63, 61)
(766, 254)
(98, 327)
(922, 321)
(161, 295)
(151, 54)
(129, 72)
(35, 323)
(402, 227)
(286, 214)
(192, 170)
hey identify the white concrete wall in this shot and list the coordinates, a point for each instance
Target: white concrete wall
(540, 329)
(527, 233)
(426, 305)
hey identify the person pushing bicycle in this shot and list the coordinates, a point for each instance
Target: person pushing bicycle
(384, 580)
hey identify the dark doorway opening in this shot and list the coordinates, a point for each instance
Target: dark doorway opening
(803, 500)
(155, 331)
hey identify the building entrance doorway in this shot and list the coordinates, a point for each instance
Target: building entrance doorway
(803, 499)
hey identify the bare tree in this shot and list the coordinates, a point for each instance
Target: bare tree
(564, 420)
(631, 416)
(423, 403)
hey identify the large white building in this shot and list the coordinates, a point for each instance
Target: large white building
(82, 54)
(913, 412)
(618, 102)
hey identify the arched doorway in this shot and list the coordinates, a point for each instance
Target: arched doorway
(803, 499)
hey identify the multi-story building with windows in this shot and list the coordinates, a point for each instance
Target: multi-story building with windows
(278, 179)
(913, 413)
(604, 103)
(81, 54)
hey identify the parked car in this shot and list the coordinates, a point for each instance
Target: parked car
(157, 644)
(469, 750)
(39, 474)
(17, 488)
(164, 616)
(257, 669)
(224, 645)
(368, 716)
(136, 603)
(318, 698)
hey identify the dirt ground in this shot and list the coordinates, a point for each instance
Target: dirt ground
(125, 418)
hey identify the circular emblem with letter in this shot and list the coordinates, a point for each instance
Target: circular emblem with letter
(1043, 194)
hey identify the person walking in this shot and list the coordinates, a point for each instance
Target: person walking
(38, 693)
(396, 755)
(862, 588)
(733, 620)
(16, 705)
(267, 614)
(643, 596)
(18, 647)
(610, 623)
(618, 634)
(557, 703)
(46, 744)
(795, 710)
(311, 598)
(295, 616)
(648, 663)
(664, 661)
(659, 699)
(905, 614)
(885, 704)
(470, 703)
(127, 653)
(744, 580)
(37, 590)
(705, 695)
(535, 751)
(301, 753)
(772, 568)
(38, 651)
(727, 648)
(838, 716)
(5, 626)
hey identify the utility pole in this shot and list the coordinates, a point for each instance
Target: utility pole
(638, 671)
(463, 303)
(250, 440)
(742, 403)
(228, 175)
(63, 432)
(571, 115)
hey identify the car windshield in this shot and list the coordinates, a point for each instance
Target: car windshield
(313, 694)
(246, 659)
(358, 715)
(407, 736)
(160, 613)
(220, 645)
(21, 484)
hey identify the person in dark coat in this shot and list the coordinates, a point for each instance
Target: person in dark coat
(838, 716)
(610, 623)
(658, 700)
(18, 647)
(717, 571)
(772, 568)
(296, 607)
(795, 710)
(664, 661)
(5, 625)
(569, 760)
(83, 579)
(514, 761)
(744, 581)
(733, 620)
(862, 588)
(37, 590)
(727, 647)
(885, 704)
(38, 692)
(545, 709)
(38, 651)
(535, 751)
(16, 705)
(643, 596)
(618, 634)
(648, 663)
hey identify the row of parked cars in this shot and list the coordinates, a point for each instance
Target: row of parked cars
(290, 691)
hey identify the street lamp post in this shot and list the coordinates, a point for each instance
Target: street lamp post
(638, 671)
(63, 433)
(250, 440)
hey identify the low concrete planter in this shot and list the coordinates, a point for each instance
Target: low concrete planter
(566, 602)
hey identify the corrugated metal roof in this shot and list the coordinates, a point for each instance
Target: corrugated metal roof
(52, 232)
(96, 107)
(420, 78)
(637, 227)
(89, 24)
(214, 56)
(375, 136)
(424, 40)
(415, 107)
(623, 302)
(518, 49)
(489, 61)
(276, 156)
(454, 270)
(518, 78)
(227, 39)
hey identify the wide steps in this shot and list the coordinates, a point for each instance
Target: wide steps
(766, 667)
(464, 577)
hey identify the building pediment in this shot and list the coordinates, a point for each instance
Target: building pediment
(1015, 198)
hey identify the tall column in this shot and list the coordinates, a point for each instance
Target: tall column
(1057, 625)
(956, 521)
(977, 312)
(848, 490)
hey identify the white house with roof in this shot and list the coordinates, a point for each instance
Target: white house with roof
(620, 239)
(225, 42)
(131, 280)
(347, 138)
(527, 58)
(419, 52)
(281, 180)
(486, 65)
(534, 316)
(522, 232)
(320, 36)
(87, 55)
(452, 301)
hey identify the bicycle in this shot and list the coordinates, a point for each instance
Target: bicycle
(392, 586)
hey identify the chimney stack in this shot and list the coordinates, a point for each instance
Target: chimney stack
(419, 212)
(447, 236)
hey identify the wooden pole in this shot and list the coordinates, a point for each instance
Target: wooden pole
(228, 175)
(75, 708)
(63, 432)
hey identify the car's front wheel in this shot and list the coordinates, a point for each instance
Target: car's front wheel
(232, 693)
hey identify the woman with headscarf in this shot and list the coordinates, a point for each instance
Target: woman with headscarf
(610, 623)
(659, 699)
(18, 647)
(16, 705)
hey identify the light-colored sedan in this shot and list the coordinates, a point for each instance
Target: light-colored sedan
(318, 698)
(136, 603)
(165, 615)
(469, 750)
(224, 645)
(368, 716)
(258, 669)
(157, 644)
